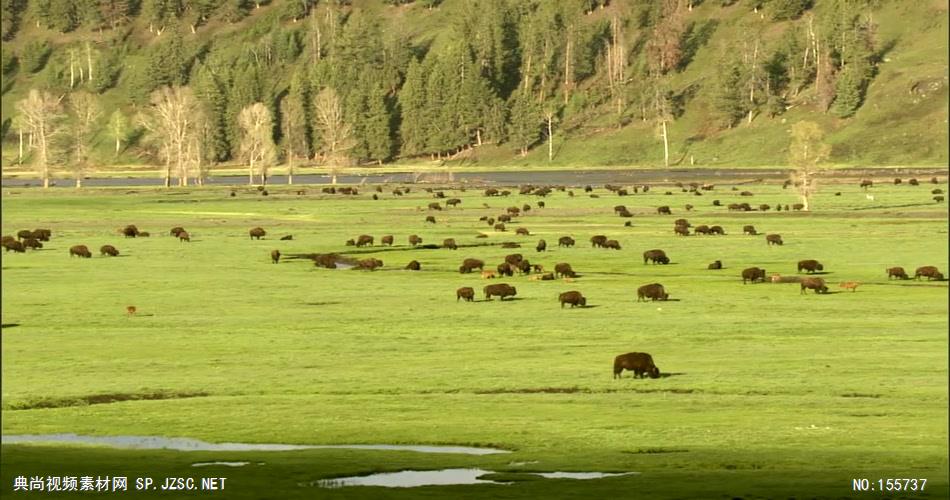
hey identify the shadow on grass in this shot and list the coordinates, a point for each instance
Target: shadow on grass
(97, 399)
(321, 303)
(9, 325)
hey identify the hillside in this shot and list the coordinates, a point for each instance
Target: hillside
(478, 83)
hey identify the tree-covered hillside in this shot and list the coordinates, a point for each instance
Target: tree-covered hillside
(572, 82)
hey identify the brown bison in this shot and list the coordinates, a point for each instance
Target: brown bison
(866, 183)
(414, 240)
(184, 236)
(257, 233)
(765, 207)
(897, 272)
(750, 230)
(816, 284)
(506, 269)
(521, 231)
(598, 241)
(501, 290)
(350, 242)
(275, 256)
(715, 265)
(80, 251)
(387, 240)
(42, 234)
(32, 243)
(451, 202)
(130, 231)
(657, 256)
(564, 269)
(931, 272)
(413, 265)
(17, 246)
(430, 219)
(620, 208)
(682, 222)
(467, 293)
(797, 206)
(913, 182)
(701, 229)
(363, 240)
(514, 258)
(653, 291)
(664, 210)
(717, 230)
(542, 246)
(773, 239)
(640, 363)
(574, 298)
(369, 264)
(108, 250)
(450, 244)
(504, 218)
(491, 192)
(810, 265)
(514, 211)
(499, 227)
(435, 206)
(565, 241)
(175, 230)
(614, 244)
(753, 274)
(470, 264)
(24, 234)
(288, 237)
(327, 260)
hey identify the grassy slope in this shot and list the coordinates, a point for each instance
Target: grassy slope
(770, 391)
(894, 127)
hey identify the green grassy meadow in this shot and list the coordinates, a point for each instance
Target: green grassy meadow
(769, 393)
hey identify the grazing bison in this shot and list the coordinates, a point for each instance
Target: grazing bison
(866, 183)
(564, 269)
(500, 290)
(540, 204)
(490, 221)
(717, 230)
(387, 240)
(42, 234)
(938, 199)
(773, 239)
(897, 180)
(897, 272)
(430, 219)
(913, 182)
(17, 246)
(765, 207)
(450, 244)
(175, 230)
(682, 222)
(701, 229)
(657, 256)
(664, 210)
(327, 260)
(363, 240)
(810, 265)
(689, 207)
(505, 269)
(620, 208)
(499, 227)
(184, 236)
(413, 265)
(816, 284)
(350, 242)
(491, 192)
(435, 206)
(80, 251)
(467, 293)
(504, 218)
(108, 250)
(749, 230)
(565, 241)
(745, 193)
(715, 265)
(598, 241)
(288, 237)
(275, 256)
(797, 206)
(614, 244)
(931, 272)
(542, 246)
(513, 211)
(753, 274)
(522, 232)
(370, 264)
(640, 363)
(653, 291)
(24, 234)
(451, 202)
(32, 243)
(682, 230)
(514, 258)
(414, 240)
(470, 264)
(524, 266)
(257, 233)
(574, 298)
(130, 231)
(143, 234)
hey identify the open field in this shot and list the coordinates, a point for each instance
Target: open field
(767, 393)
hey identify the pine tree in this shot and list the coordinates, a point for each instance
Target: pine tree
(525, 122)
(414, 129)
(729, 100)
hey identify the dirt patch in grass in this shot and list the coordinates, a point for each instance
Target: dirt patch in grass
(98, 399)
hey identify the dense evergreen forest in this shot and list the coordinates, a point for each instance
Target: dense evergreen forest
(190, 84)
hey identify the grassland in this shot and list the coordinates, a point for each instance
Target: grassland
(770, 393)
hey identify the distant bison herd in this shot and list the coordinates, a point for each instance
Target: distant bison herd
(641, 364)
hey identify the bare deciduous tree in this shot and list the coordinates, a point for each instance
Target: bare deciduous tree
(42, 114)
(257, 141)
(85, 110)
(118, 126)
(805, 153)
(176, 117)
(337, 135)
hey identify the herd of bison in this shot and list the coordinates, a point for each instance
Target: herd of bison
(640, 363)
